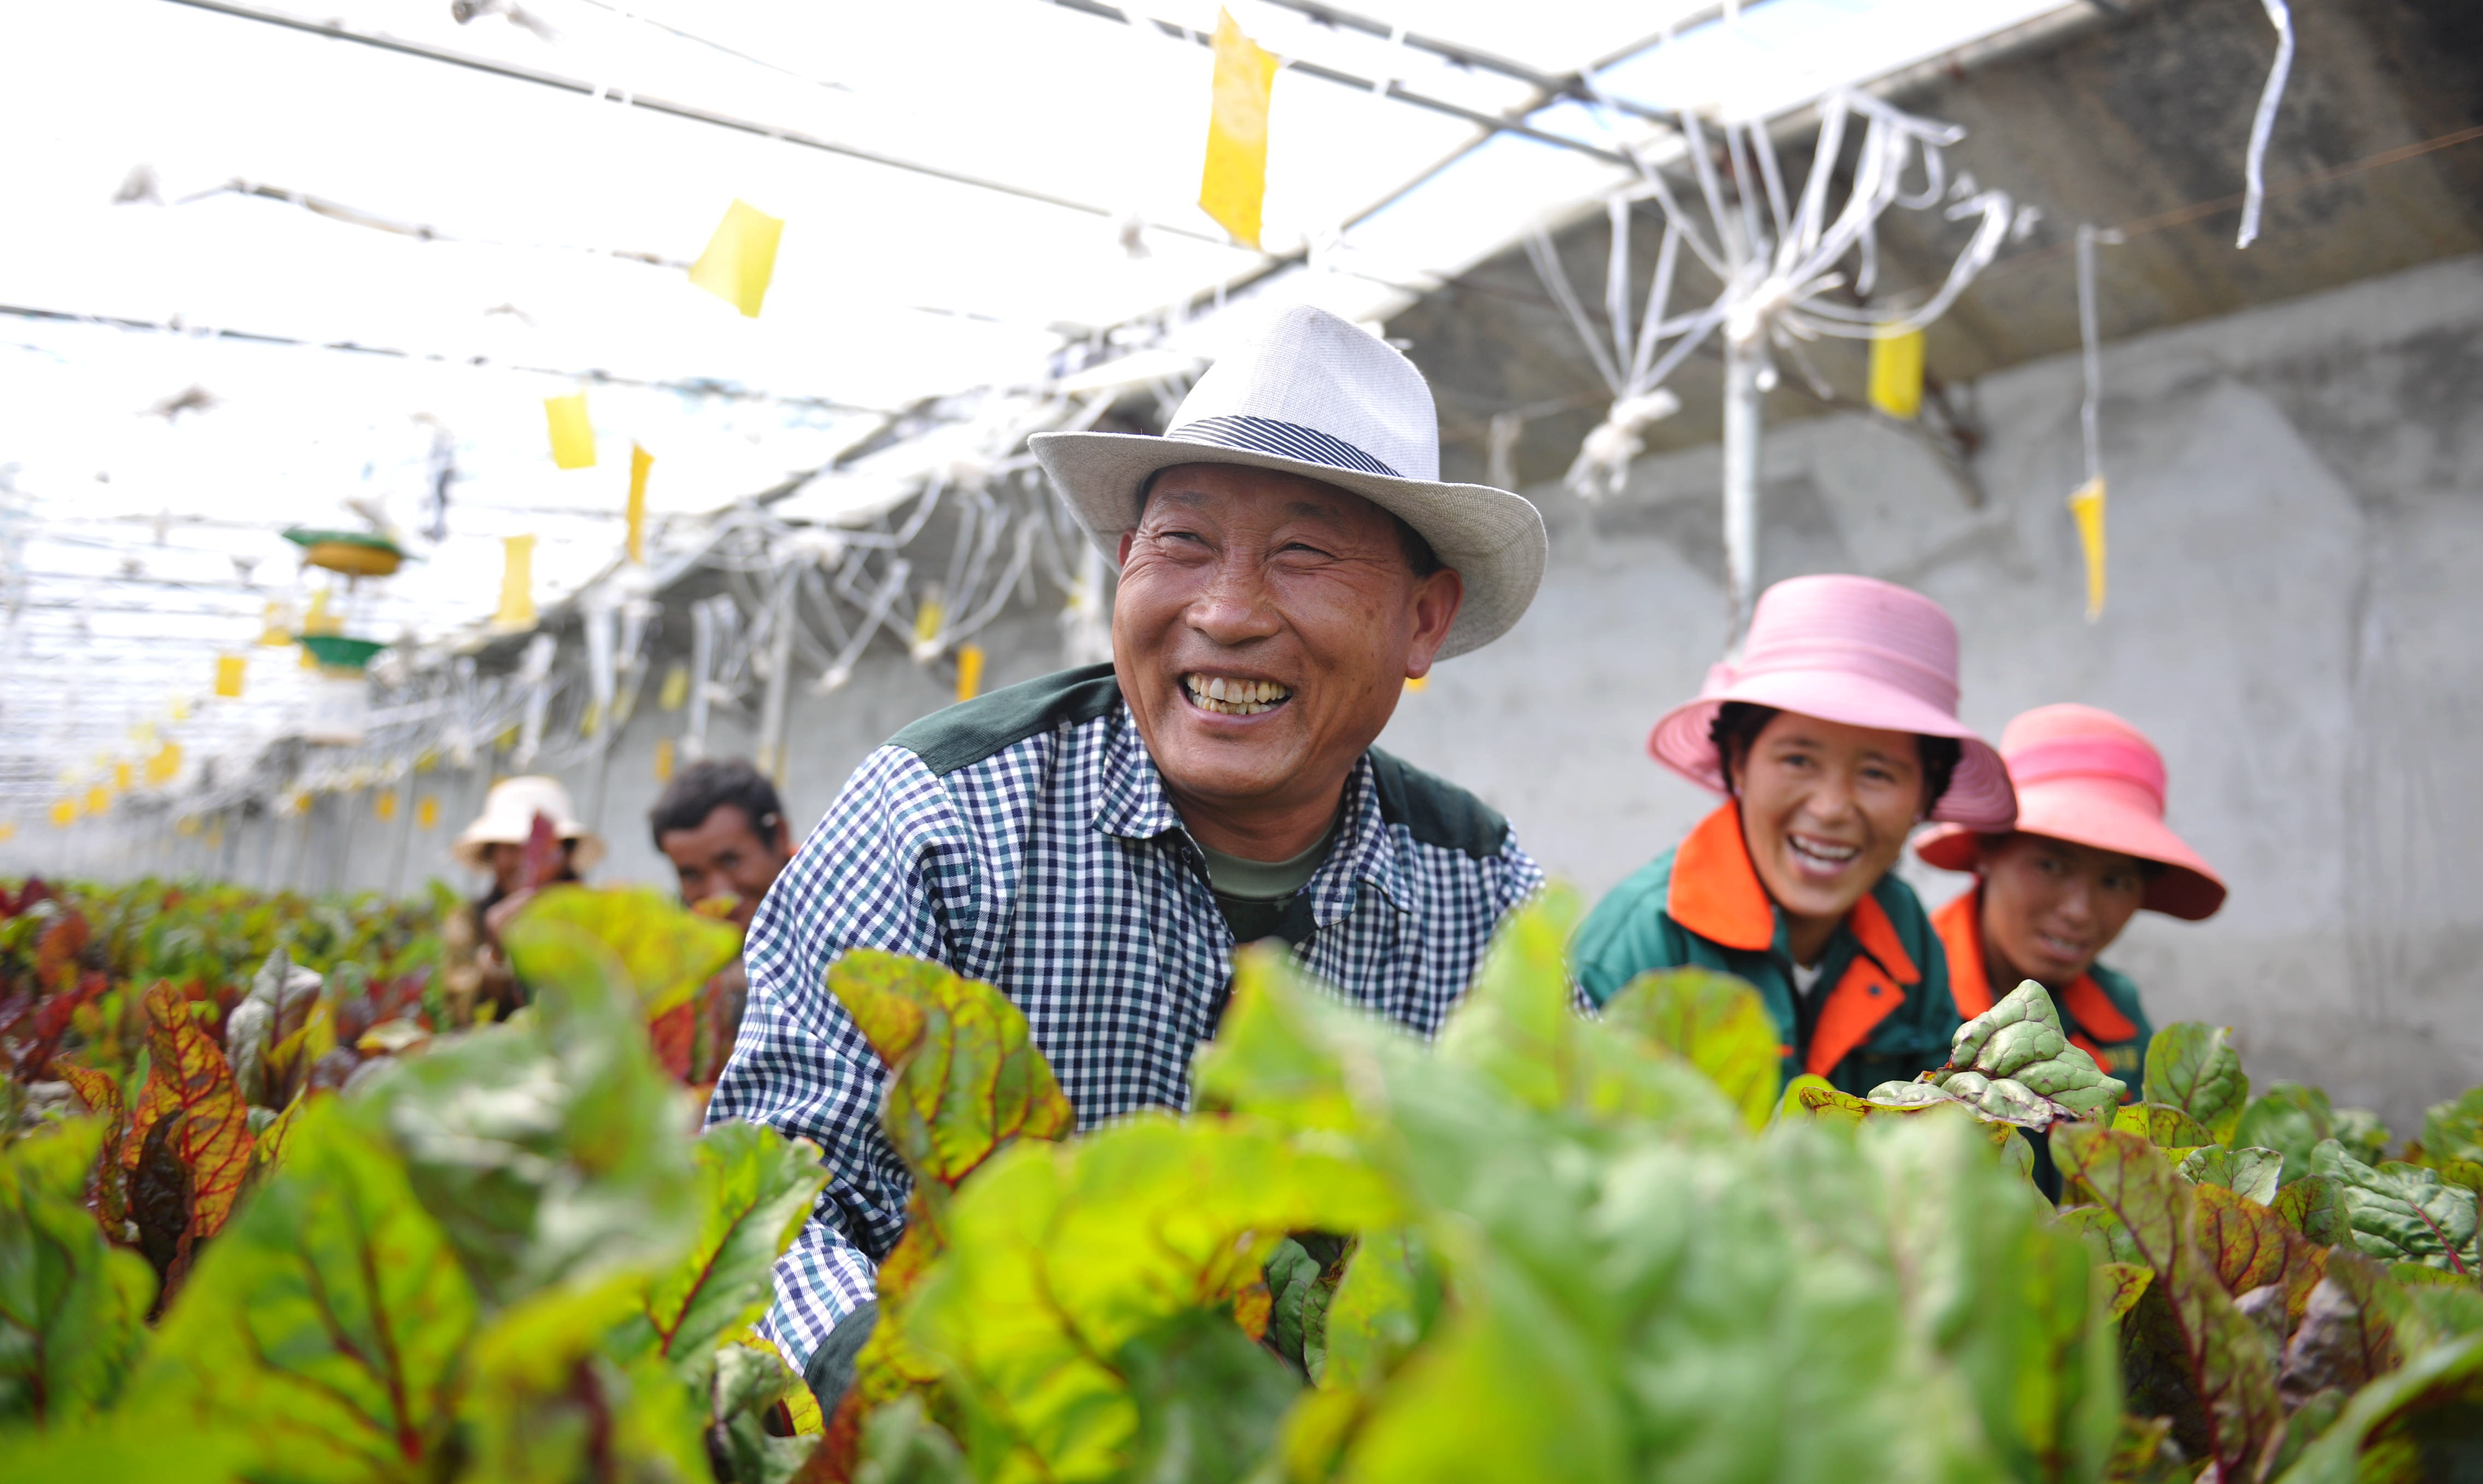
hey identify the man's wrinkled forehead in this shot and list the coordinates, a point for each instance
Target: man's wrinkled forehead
(1193, 487)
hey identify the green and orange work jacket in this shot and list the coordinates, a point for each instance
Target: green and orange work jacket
(1879, 1010)
(2100, 1008)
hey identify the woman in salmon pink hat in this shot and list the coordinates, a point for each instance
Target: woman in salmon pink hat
(2090, 849)
(1832, 735)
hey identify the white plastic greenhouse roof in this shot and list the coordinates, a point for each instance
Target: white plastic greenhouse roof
(261, 259)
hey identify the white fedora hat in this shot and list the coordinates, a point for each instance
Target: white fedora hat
(508, 818)
(1312, 396)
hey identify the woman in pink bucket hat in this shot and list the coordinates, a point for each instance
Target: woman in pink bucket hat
(2091, 848)
(1832, 735)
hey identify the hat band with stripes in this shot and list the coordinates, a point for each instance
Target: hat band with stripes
(1283, 440)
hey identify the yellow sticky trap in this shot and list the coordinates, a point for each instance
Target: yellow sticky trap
(739, 258)
(640, 462)
(1897, 374)
(426, 811)
(517, 583)
(676, 688)
(318, 621)
(276, 627)
(165, 766)
(2086, 503)
(179, 709)
(664, 760)
(98, 800)
(64, 812)
(1235, 184)
(121, 774)
(572, 436)
(185, 825)
(231, 671)
(970, 671)
(926, 621)
(591, 722)
(383, 804)
(425, 760)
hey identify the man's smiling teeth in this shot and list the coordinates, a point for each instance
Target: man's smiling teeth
(1229, 697)
(1823, 854)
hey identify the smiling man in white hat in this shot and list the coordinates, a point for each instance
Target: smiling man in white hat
(1096, 842)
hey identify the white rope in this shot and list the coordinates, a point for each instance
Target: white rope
(2263, 123)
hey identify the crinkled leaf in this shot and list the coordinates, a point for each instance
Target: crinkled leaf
(2292, 1119)
(754, 1191)
(2119, 1285)
(2314, 1206)
(2194, 1067)
(1062, 1254)
(550, 1401)
(2072, 1079)
(328, 1321)
(2402, 1213)
(750, 1380)
(2002, 1100)
(1905, 1095)
(2106, 1239)
(72, 1307)
(2163, 1126)
(1979, 1043)
(1714, 1021)
(2188, 1352)
(967, 1079)
(665, 953)
(551, 1148)
(2418, 1424)
(189, 1077)
(2254, 1173)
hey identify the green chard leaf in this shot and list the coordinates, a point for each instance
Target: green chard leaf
(72, 1307)
(1713, 1021)
(665, 953)
(2118, 1286)
(2453, 1130)
(1208, 1399)
(966, 1078)
(754, 1190)
(2188, 1351)
(2402, 1213)
(2252, 1173)
(2194, 1067)
(2292, 1119)
(2013, 1064)
(549, 1401)
(128, 1446)
(2314, 1206)
(2347, 1336)
(1275, 1056)
(328, 1322)
(550, 1148)
(2164, 1126)
(749, 1381)
(1388, 1301)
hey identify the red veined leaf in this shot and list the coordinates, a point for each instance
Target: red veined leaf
(756, 1188)
(673, 1033)
(107, 1193)
(2348, 1335)
(2243, 1238)
(56, 952)
(189, 1075)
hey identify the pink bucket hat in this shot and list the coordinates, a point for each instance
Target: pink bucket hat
(2090, 778)
(1855, 650)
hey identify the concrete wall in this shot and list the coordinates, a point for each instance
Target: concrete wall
(2296, 522)
(2296, 529)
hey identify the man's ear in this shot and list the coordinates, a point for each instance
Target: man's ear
(1436, 600)
(1123, 557)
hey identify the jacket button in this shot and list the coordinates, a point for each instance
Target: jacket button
(1875, 992)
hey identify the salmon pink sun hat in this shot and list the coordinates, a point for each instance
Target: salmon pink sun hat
(1855, 650)
(2087, 777)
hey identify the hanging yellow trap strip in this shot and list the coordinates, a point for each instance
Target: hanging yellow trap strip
(231, 669)
(1897, 373)
(640, 462)
(970, 671)
(383, 804)
(517, 583)
(64, 812)
(1235, 184)
(2086, 503)
(572, 436)
(676, 689)
(740, 259)
(426, 811)
(664, 760)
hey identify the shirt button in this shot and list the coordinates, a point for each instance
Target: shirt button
(1875, 992)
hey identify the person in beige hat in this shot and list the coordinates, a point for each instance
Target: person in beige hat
(496, 842)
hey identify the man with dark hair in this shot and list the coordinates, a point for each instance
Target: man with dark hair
(722, 827)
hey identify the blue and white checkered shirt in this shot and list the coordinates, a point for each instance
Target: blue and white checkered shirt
(1025, 839)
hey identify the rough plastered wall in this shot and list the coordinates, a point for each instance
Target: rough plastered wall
(2296, 617)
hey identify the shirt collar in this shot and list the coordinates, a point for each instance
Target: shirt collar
(1132, 804)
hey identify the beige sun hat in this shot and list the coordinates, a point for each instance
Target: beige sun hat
(508, 818)
(1313, 395)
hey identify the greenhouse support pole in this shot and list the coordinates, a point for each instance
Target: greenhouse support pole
(1741, 482)
(404, 836)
